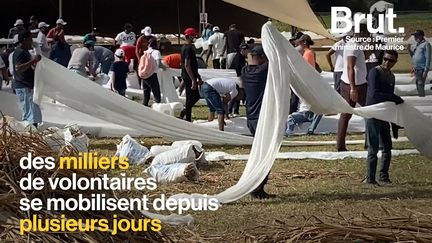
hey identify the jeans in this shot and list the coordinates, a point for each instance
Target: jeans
(315, 121)
(297, 118)
(213, 99)
(192, 97)
(122, 92)
(30, 111)
(344, 117)
(419, 82)
(151, 84)
(337, 81)
(377, 131)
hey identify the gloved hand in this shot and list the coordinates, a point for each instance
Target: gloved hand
(395, 130)
(398, 100)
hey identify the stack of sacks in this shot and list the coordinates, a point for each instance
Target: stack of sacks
(133, 150)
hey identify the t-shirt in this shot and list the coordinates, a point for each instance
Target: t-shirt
(80, 58)
(43, 44)
(188, 52)
(156, 56)
(142, 44)
(120, 70)
(173, 60)
(124, 39)
(217, 41)
(233, 39)
(309, 57)
(26, 78)
(338, 48)
(381, 85)
(101, 53)
(254, 81)
(56, 32)
(224, 86)
(360, 72)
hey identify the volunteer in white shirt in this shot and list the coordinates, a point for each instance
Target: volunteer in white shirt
(216, 46)
(217, 93)
(127, 37)
(353, 86)
(338, 67)
(42, 39)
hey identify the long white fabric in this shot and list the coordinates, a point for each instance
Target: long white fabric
(79, 93)
(288, 67)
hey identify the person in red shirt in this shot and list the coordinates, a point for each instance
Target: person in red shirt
(173, 60)
(57, 31)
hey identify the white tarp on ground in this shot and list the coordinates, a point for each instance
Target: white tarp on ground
(321, 155)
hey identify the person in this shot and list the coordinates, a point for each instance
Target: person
(207, 32)
(233, 40)
(142, 45)
(305, 42)
(3, 73)
(126, 37)
(254, 78)
(23, 68)
(172, 60)
(118, 73)
(421, 60)
(238, 63)
(353, 87)
(216, 45)
(126, 41)
(57, 32)
(83, 58)
(42, 39)
(18, 28)
(381, 85)
(92, 35)
(337, 50)
(217, 93)
(304, 114)
(103, 57)
(151, 84)
(34, 26)
(189, 73)
(60, 52)
(295, 100)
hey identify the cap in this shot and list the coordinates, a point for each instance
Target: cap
(244, 46)
(147, 31)
(89, 42)
(233, 26)
(306, 38)
(418, 33)
(191, 32)
(95, 30)
(19, 22)
(297, 36)
(257, 51)
(33, 19)
(216, 28)
(61, 21)
(119, 53)
(43, 24)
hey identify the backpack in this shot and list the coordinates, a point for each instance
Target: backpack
(147, 65)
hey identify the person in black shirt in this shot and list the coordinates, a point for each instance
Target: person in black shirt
(24, 65)
(238, 63)
(189, 73)
(233, 40)
(118, 73)
(381, 84)
(254, 78)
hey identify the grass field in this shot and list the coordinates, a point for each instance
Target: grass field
(304, 188)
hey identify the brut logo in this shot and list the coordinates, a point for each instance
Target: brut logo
(341, 21)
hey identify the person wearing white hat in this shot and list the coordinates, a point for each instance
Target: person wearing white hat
(118, 73)
(34, 26)
(42, 39)
(142, 45)
(216, 45)
(57, 31)
(18, 27)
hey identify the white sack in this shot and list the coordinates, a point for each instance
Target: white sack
(79, 142)
(133, 150)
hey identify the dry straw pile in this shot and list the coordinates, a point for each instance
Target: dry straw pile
(15, 145)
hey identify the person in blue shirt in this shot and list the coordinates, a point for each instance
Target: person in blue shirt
(381, 84)
(421, 60)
